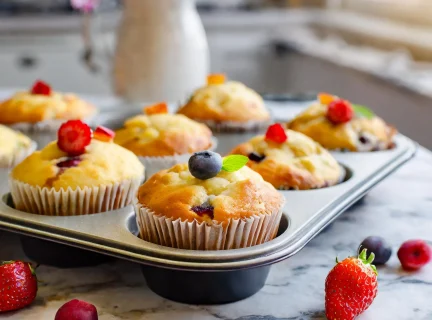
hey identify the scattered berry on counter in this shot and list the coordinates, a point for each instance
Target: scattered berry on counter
(73, 137)
(40, 87)
(18, 285)
(414, 254)
(77, 310)
(350, 287)
(379, 247)
(69, 163)
(339, 111)
(205, 164)
(103, 134)
(276, 133)
(256, 157)
(161, 107)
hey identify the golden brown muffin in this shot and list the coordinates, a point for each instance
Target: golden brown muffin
(12, 145)
(163, 134)
(176, 194)
(358, 134)
(297, 163)
(226, 104)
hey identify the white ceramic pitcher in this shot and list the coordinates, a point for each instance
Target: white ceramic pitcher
(162, 52)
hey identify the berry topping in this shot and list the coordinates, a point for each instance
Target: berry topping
(216, 78)
(339, 111)
(326, 98)
(156, 108)
(256, 157)
(40, 87)
(18, 285)
(73, 137)
(363, 140)
(69, 163)
(276, 133)
(379, 247)
(205, 164)
(414, 254)
(103, 134)
(204, 209)
(350, 287)
(77, 310)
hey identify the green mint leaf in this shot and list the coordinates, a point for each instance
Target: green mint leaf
(362, 111)
(234, 162)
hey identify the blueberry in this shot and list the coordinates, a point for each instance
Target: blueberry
(379, 247)
(205, 164)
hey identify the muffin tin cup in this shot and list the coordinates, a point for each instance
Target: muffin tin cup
(81, 201)
(195, 235)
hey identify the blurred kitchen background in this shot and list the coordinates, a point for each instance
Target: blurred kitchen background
(374, 52)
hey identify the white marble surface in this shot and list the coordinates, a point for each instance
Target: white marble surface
(398, 209)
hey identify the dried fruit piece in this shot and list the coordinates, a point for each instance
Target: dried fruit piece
(40, 87)
(216, 78)
(73, 137)
(276, 133)
(326, 98)
(339, 111)
(103, 134)
(161, 107)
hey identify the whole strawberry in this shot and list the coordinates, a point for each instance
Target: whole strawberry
(351, 287)
(18, 285)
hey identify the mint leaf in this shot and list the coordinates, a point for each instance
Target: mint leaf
(234, 162)
(362, 111)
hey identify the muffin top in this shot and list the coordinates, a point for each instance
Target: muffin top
(12, 142)
(225, 101)
(176, 193)
(102, 163)
(336, 124)
(294, 161)
(41, 104)
(163, 134)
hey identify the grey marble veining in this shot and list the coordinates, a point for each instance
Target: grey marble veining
(398, 209)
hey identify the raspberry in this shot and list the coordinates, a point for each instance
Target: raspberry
(40, 87)
(414, 254)
(73, 137)
(103, 134)
(276, 133)
(339, 111)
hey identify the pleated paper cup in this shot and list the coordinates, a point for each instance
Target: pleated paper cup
(195, 235)
(81, 201)
(156, 164)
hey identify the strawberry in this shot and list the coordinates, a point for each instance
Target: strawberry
(156, 108)
(77, 310)
(40, 87)
(73, 137)
(276, 133)
(350, 287)
(216, 78)
(18, 285)
(339, 111)
(103, 134)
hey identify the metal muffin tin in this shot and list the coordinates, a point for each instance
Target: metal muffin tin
(169, 271)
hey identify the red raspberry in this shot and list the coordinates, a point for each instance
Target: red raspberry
(276, 133)
(414, 254)
(339, 111)
(40, 87)
(73, 137)
(77, 310)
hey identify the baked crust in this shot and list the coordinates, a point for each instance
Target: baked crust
(12, 141)
(298, 163)
(359, 134)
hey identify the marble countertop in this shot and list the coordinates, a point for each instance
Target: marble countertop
(398, 209)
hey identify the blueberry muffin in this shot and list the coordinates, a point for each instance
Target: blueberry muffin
(339, 125)
(290, 160)
(76, 174)
(208, 204)
(226, 106)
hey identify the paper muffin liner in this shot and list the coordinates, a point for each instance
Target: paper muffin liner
(156, 164)
(7, 163)
(195, 235)
(235, 126)
(87, 200)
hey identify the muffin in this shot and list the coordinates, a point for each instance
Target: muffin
(161, 139)
(76, 174)
(290, 160)
(208, 204)
(339, 125)
(14, 147)
(40, 111)
(226, 106)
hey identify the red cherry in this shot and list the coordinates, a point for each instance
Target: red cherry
(40, 87)
(73, 136)
(77, 310)
(339, 111)
(276, 133)
(414, 254)
(103, 134)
